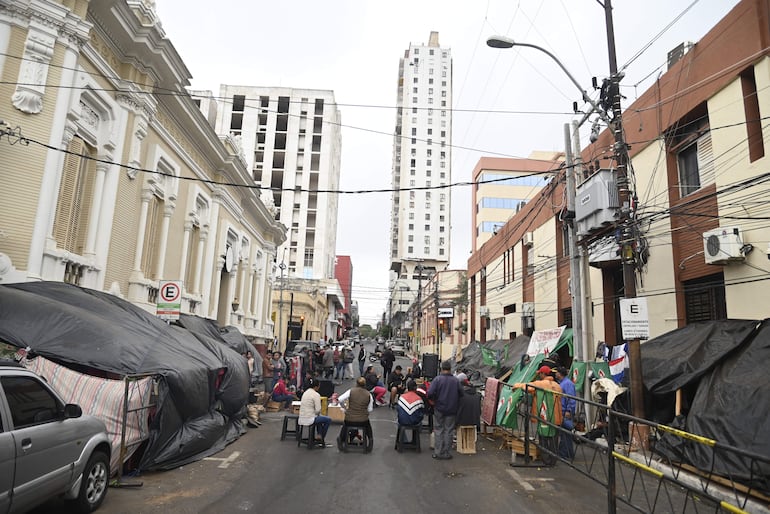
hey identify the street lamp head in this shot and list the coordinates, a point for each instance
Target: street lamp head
(500, 42)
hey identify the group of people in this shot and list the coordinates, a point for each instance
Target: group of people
(555, 407)
(450, 399)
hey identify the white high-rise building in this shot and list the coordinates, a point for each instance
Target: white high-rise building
(291, 140)
(420, 224)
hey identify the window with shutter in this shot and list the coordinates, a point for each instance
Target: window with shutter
(74, 201)
(152, 237)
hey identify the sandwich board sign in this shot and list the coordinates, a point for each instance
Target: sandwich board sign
(169, 299)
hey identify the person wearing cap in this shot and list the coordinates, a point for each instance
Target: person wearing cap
(546, 405)
(310, 411)
(445, 391)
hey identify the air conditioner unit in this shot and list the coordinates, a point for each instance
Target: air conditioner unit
(484, 311)
(528, 239)
(723, 245)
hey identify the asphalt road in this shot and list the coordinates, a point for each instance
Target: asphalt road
(260, 473)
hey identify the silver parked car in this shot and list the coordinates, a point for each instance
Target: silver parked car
(47, 448)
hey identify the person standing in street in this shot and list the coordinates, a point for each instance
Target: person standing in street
(568, 407)
(387, 360)
(445, 391)
(361, 359)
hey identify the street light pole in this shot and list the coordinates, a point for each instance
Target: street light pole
(282, 266)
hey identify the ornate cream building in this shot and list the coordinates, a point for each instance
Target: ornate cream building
(112, 178)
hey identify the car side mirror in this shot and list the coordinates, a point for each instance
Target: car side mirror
(72, 410)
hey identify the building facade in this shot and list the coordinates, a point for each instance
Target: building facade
(422, 156)
(119, 188)
(503, 186)
(698, 154)
(441, 327)
(343, 272)
(292, 142)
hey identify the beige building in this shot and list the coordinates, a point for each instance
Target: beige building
(504, 186)
(112, 177)
(442, 327)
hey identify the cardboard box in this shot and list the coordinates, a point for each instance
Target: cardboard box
(336, 413)
(295, 407)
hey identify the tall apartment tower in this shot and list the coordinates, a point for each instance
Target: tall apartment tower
(422, 156)
(291, 141)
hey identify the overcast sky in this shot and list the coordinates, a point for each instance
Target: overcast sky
(507, 102)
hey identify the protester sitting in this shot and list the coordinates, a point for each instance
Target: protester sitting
(411, 407)
(373, 385)
(282, 394)
(395, 386)
(416, 370)
(310, 411)
(357, 403)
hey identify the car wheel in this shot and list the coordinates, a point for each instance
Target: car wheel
(93, 485)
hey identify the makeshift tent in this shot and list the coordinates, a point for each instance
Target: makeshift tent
(202, 386)
(508, 353)
(722, 366)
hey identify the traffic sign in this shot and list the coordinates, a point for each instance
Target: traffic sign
(169, 299)
(634, 320)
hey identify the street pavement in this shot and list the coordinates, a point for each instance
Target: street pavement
(261, 473)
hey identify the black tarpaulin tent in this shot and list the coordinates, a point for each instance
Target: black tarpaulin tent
(723, 366)
(202, 384)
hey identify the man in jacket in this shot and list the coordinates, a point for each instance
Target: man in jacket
(445, 391)
(469, 410)
(546, 406)
(387, 360)
(395, 386)
(361, 359)
(411, 408)
(568, 406)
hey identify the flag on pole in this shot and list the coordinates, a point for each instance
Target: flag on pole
(619, 362)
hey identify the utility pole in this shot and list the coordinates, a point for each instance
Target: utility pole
(438, 327)
(574, 263)
(418, 334)
(282, 266)
(627, 207)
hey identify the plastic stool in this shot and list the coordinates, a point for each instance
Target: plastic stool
(310, 438)
(401, 435)
(291, 430)
(343, 444)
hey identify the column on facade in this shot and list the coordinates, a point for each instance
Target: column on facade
(213, 298)
(243, 271)
(168, 211)
(188, 227)
(198, 271)
(144, 209)
(61, 134)
(250, 303)
(96, 205)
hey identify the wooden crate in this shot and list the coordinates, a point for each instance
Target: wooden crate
(516, 444)
(466, 439)
(295, 407)
(336, 413)
(273, 406)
